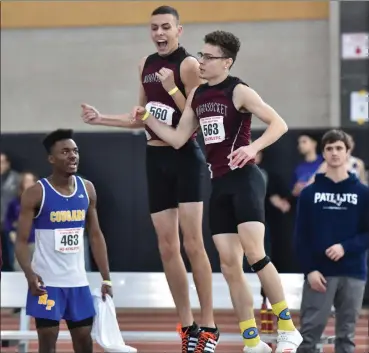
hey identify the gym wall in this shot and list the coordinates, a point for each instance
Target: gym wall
(56, 55)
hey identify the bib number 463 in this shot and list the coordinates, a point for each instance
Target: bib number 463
(70, 240)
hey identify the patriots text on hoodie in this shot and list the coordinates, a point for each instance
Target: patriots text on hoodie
(331, 213)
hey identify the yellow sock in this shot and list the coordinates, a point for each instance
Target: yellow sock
(249, 333)
(284, 317)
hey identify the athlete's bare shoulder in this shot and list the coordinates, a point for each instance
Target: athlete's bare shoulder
(242, 89)
(90, 188)
(141, 64)
(32, 196)
(190, 63)
(190, 73)
(241, 93)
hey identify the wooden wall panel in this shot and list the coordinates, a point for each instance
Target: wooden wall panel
(50, 14)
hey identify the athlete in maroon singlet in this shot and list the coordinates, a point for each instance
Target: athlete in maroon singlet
(174, 177)
(222, 108)
(224, 128)
(159, 102)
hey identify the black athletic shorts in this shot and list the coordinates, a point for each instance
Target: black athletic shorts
(174, 176)
(237, 197)
(46, 323)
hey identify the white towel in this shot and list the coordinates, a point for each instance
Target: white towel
(105, 328)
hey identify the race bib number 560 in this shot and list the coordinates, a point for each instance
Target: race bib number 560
(160, 111)
(212, 129)
(68, 241)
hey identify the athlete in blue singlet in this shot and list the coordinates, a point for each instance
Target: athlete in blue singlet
(59, 206)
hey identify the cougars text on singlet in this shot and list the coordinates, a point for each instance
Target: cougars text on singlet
(59, 236)
(159, 103)
(224, 128)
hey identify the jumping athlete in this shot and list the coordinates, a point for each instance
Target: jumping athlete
(223, 108)
(59, 207)
(175, 176)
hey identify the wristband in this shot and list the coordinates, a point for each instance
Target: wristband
(145, 116)
(172, 91)
(108, 283)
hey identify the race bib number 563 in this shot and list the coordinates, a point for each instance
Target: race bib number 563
(68, 241)
(160, 111)
(212, 129)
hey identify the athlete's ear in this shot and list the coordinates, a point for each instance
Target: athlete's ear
(229, 63)
(51, 159)
(180, 30)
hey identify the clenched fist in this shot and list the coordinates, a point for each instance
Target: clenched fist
(90, 115)
(166, 77)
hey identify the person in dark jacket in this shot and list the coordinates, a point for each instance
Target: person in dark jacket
(332, 239)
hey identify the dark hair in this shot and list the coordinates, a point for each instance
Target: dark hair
(228, 43)
(335, 135)
(166, 10)
(310, 135)
(58, 135)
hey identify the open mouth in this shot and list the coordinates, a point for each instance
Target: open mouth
(162, 44)
(72, 165)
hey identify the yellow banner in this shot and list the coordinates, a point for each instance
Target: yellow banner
(51, 14)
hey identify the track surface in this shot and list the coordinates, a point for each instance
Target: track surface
(154, 320)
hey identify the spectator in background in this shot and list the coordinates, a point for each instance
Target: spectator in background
(354, 164)
(307, 146)
(27, 179)
(9, 187)
(332, 238)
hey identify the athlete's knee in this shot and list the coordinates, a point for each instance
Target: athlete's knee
(81, 336)
(166, 228)
(83, 344)
(168, 250)
(193, 245)
(260, 264)
(169, 245)
(254, 255)
(47, 337)
(231, 267)
(254, 252)
(252, 239)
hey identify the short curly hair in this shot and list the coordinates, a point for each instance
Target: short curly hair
(228, 43)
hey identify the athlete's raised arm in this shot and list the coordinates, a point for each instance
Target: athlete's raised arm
(178, 136)
(190, 77)
(90, 115)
